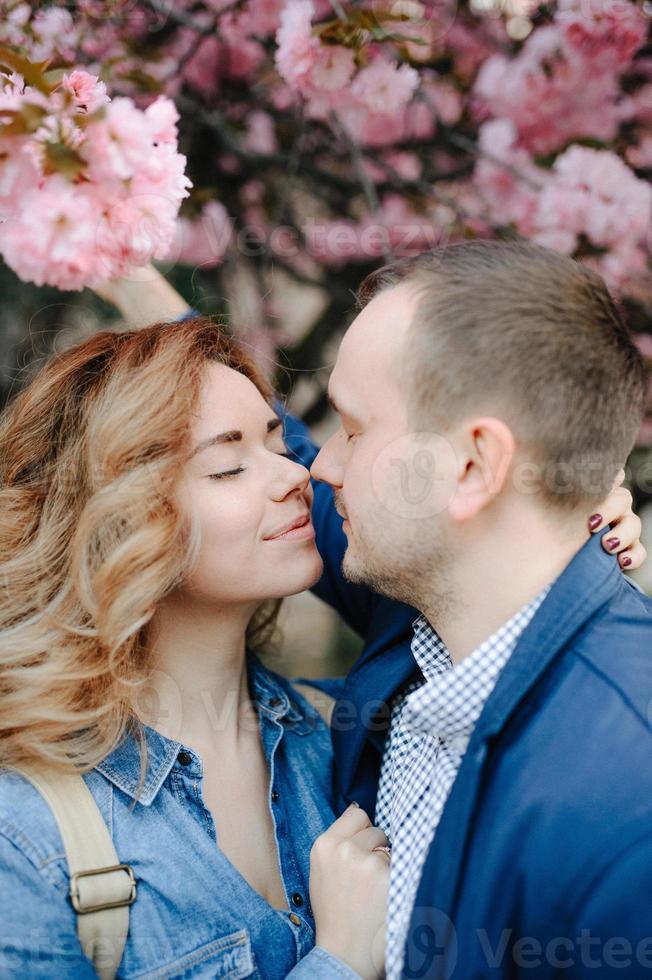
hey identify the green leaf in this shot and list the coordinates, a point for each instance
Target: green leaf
(32, 71)
(64, 160)
(33, 115)
(16, 127)
(54, 77)
(25, 120)
(362, 25)
(380, 34)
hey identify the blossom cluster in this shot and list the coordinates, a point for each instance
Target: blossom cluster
(89, 185)
(559, 124)
(565, 83)
(533, 173)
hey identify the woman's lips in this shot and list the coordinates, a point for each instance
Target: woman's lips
(304, 532)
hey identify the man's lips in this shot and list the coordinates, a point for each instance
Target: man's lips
(303, 521)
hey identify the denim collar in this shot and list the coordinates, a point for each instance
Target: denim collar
(122, 765)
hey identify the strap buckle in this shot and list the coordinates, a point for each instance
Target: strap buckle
(76, 899)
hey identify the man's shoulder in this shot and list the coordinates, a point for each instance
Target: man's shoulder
(616, 646)
(590, 711)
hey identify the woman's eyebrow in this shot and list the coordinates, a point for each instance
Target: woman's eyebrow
(234, 435)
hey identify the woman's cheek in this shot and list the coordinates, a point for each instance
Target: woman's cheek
(228, 517)
(227, 533)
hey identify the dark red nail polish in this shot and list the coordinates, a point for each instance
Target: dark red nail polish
(613, 543)
(595, 521)
(626, 562)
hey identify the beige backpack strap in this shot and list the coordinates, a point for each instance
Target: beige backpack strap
(319, 700)
(101, 889)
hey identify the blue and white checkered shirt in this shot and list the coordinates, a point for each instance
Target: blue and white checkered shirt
(431, 724)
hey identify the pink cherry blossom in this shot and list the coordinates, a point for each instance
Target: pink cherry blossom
(384, 87)
(202, 70)
(610, 204)
(333, 68)
(506, 177)
(50, 238)
(415, 121)
(162, 118)
(641, 155)
(611, 31)
(642, 104)
(118, 145)
(239, 31)
(268, 68)
(306, 64)
(12, 88)
(444, 97)
(544, 89)
(19, 173)
(471, 48)
(87, 91)
(260, 136)
(54, 33)
(204, 240)
(297, 48)
(407, 165)
(117, 204)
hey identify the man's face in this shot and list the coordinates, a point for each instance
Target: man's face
(390, 483)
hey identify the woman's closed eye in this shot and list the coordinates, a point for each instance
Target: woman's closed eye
(225, 474)
(240, 469)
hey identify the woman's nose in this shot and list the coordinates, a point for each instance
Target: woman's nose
(290, 478)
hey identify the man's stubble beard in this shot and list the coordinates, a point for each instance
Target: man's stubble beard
(417, 570)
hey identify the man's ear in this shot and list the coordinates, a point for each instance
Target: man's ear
(485, 449)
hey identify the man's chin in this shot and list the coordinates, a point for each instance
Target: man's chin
(354, 571)
(358, 572)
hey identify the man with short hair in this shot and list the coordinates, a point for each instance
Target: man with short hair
(488, 395)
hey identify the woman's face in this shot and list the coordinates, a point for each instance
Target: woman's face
(245, 493)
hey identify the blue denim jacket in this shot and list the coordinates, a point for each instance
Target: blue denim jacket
(195, 915)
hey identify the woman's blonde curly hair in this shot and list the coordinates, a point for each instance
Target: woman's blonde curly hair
(90, 540)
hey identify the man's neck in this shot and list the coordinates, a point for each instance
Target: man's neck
(492, 583)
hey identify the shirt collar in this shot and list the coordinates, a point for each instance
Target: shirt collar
(122, 765)
(451, 701)
(429, 650)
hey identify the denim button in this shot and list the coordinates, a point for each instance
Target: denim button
(184, 758)
(274, 796)
(297, 900)
(294, 919)
(275, 702)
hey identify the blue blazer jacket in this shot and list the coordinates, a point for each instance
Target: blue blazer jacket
(542, 862)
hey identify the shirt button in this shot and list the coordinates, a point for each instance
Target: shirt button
(294, 919)
(184, 758)
(297, 900)
(274, 796)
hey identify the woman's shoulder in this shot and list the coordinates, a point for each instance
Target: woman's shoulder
(28, 828)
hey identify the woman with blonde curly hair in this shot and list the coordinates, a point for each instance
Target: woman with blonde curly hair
(151, 520)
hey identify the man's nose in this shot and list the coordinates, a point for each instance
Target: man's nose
(325, 467)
